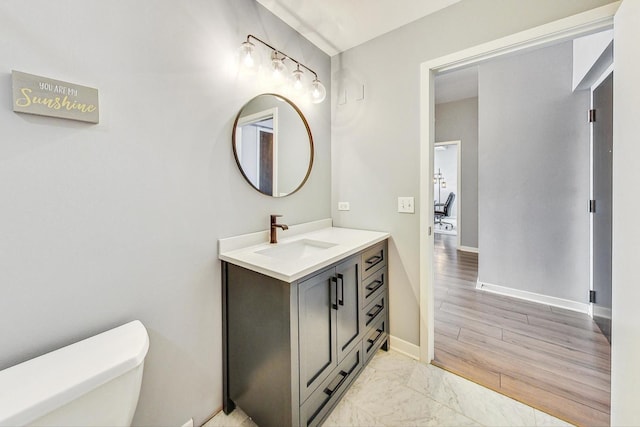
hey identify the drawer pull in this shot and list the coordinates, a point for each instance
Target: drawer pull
(333, 293)
(374, 260)
(328, 391)
(373, 341)
(375, 285)
(341, 278)
(377, 309)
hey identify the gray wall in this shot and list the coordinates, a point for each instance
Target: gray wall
(458, 120)
(375, 151)
(294, 150)
(534, 175)
(102, 224)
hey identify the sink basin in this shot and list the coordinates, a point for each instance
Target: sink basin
(296, 249)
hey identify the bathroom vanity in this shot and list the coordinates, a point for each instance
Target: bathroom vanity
(301, 319)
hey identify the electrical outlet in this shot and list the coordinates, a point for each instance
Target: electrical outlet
(406, 205)
(343, 206)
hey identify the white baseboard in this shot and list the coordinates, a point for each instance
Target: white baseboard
(532, 296)
(467, 249)
(404, 347)
(601, 312)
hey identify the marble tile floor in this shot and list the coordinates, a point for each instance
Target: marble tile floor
(395, 390)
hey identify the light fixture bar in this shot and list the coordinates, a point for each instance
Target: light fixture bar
(278, 51)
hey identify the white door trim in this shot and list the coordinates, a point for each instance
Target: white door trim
(597, 19)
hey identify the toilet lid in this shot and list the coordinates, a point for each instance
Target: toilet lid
(36, 387)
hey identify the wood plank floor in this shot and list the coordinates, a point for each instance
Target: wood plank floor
(555, 360)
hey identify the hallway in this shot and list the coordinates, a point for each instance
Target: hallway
(550, 358)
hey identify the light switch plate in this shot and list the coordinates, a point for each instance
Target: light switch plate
(406, 205)
(343, 206)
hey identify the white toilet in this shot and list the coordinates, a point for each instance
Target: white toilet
(94, 382)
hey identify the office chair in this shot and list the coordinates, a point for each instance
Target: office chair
(443, 210)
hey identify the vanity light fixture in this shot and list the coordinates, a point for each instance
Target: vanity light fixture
(317, 91)
(278, 68)
(247, 53)
(296, 77)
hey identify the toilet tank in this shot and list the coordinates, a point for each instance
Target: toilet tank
(90, 383)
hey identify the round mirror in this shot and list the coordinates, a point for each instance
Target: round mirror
(272, 145)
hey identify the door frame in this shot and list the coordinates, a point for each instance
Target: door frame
(594, 86)
(269, 113)
(458, 193)
(565, 29)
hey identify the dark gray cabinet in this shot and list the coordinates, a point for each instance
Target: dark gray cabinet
(317, 331)
(292, 349)
(329, 321)
(347, 283)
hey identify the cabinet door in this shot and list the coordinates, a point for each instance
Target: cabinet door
(317, 298)
(348, 313)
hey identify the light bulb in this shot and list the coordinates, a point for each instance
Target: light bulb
(246, 54)
(278, 67)
(297, 78)
(318, 92)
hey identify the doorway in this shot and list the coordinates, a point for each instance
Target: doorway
(585, 23)
(577, 25)
(447, 180)
(516, 347)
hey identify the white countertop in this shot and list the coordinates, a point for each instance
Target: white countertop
(243, 250)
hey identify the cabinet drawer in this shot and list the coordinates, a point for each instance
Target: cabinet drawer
(374, 258)
(375, 311)
(318, 405)
(374, 285)
(374, 338)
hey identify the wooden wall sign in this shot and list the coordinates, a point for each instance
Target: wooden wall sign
(54, 98)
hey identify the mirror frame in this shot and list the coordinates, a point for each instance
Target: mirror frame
(306, 125)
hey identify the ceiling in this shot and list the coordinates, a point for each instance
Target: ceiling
(456, 85)
(337, 25)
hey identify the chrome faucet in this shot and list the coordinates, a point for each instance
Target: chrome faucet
(274, 226)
